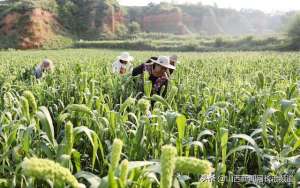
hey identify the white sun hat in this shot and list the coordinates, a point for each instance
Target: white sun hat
(174, 58)
(48, 64)
(164, 61)
(125, 56)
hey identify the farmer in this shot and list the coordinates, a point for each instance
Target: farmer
(45, 66)
(122, 65)
(157, 70)
(173, 61)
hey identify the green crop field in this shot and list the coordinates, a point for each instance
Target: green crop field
(225, 114)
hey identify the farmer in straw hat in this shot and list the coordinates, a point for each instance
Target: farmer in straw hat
(157, 70)
(45, 66)
(122, 65)
(173, 61)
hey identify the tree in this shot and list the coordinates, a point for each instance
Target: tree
(134, 28)
(86, 18)
(121, 30)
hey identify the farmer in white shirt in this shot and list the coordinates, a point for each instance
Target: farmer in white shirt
(122, 65)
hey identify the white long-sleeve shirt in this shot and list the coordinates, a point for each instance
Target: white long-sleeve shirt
(117, 66)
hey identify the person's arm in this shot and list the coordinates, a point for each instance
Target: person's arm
(115, 67)
(129, 68)
(138, 70)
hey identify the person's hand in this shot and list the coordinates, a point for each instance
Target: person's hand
(168, 73)
(166, 76)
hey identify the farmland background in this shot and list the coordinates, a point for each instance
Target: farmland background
(221, 107)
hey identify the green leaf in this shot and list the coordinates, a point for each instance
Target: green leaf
(239, 148)
(287, 105)
(26, 140)
(92, 137)
(253, 143)
(267, 115)
(181, 123)
(81, 108)
(139, 164)
(249, 140)
(76, 158)
(260, 80)
(160, 99)
(205, 133)
(224, 141)
(46, 121)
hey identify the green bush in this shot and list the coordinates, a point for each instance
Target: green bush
(58, 42)
(186, 43)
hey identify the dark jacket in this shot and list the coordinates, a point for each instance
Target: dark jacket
(157, 82)
(38, 72)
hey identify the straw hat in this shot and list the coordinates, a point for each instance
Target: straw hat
(165, 62)
(125, 56)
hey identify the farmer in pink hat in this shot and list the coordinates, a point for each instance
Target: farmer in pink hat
(158, 71)
(173, 61)
(123, 64)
